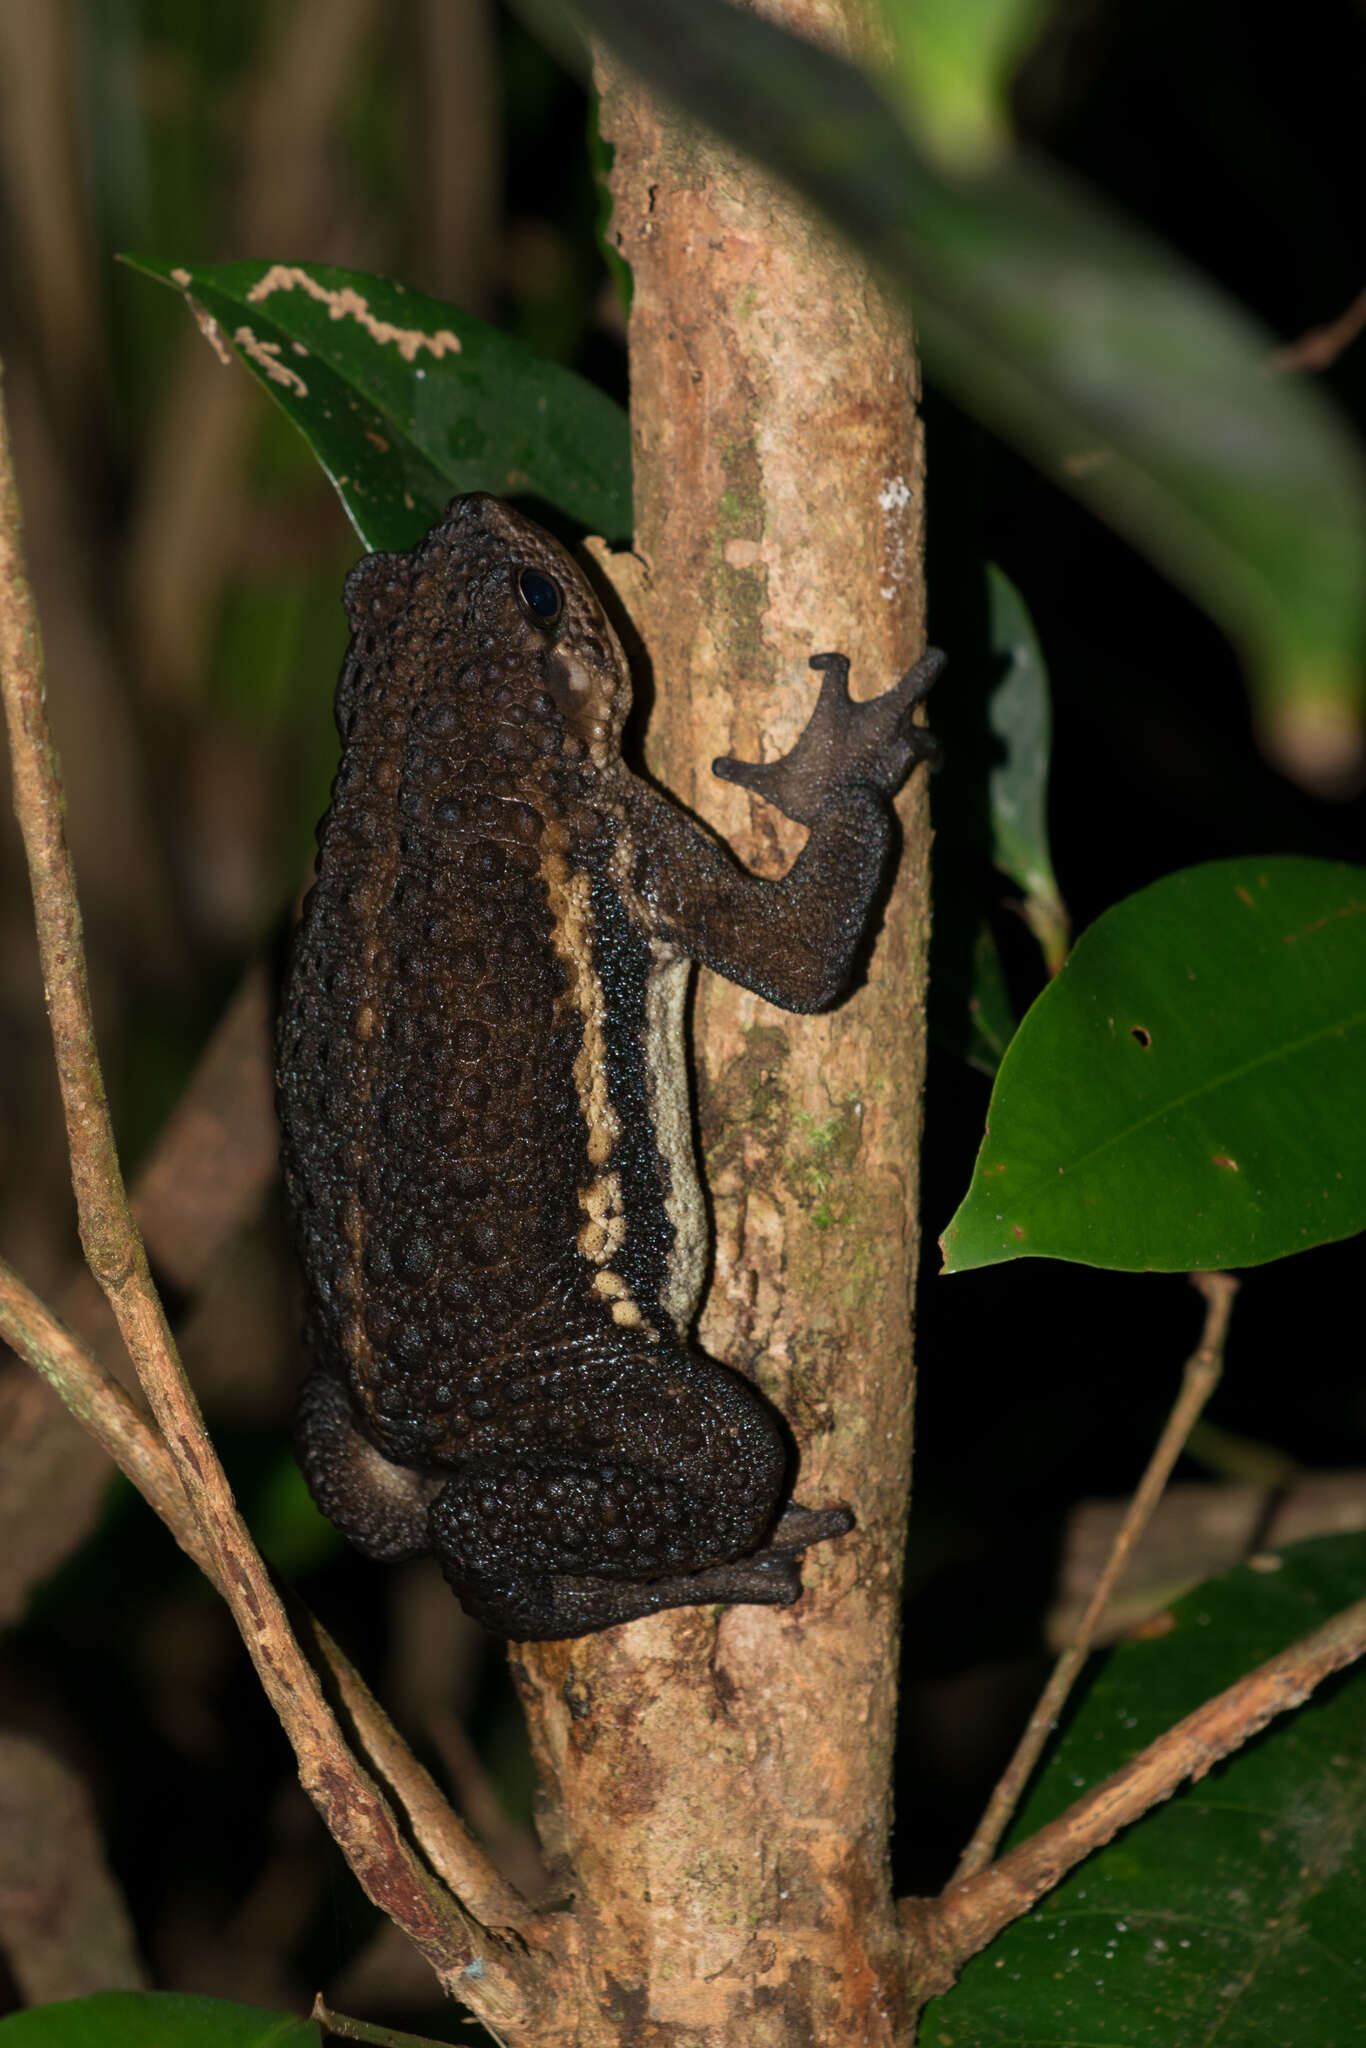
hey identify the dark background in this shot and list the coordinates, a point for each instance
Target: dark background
(188, 560)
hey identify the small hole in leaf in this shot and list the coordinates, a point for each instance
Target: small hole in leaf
(1145, 1038)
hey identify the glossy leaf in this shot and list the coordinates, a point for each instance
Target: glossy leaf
(1191, 1089)
(1231, 1914)
(155, 2019)
(406, 400)
(1124, 374)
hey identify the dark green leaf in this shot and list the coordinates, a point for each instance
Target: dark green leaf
(155, 2019)
(1117, 367)
(1191, 1090)
(407, 401)
(1233, 1913)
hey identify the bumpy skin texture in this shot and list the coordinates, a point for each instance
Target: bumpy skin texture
(483, 1095)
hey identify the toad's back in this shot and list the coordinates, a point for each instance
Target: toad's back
(449, 1114)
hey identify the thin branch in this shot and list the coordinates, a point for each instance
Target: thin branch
(203, 1181)
(947, 1930)
(1320, 348)
(513, 1846)
(490, 1976)
(1202, 1527)
(445, 1840)
(101, 1406)
(341, 2026)
(114, 1419)
(122, 1429)
(1203, 1368)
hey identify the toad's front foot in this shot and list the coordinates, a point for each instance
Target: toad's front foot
(843, 744)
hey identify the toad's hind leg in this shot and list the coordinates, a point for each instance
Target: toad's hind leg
(380, 1506)
(562, 1549)
(667, 1495)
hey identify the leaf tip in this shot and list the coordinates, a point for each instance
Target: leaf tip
(1316, 740)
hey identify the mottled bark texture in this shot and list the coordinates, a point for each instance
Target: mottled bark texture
(717, 1784)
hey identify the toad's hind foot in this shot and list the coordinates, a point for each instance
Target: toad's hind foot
(798, 1528)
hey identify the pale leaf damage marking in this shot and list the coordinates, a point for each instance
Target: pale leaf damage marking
(266, 356)
(349, 305)
(204, 320)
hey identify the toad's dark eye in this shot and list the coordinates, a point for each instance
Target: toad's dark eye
(540, 597)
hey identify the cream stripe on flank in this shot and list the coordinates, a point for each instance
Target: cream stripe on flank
(604, 1229)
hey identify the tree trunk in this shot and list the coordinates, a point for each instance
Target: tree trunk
(718, 1782)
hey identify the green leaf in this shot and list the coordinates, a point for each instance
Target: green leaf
(407, 401)
(1020, 719)
(155, 2019)
(1233, 1913)
(1122, 372)
(1191, 1090)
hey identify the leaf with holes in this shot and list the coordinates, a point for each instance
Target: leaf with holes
(406, 400)
(1191, 1089)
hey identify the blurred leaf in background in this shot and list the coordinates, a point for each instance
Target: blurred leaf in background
(953, 65)
(1064, 327)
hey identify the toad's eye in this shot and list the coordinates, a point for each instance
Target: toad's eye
(540, 597)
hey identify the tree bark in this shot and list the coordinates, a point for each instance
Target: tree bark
(718, 1782)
